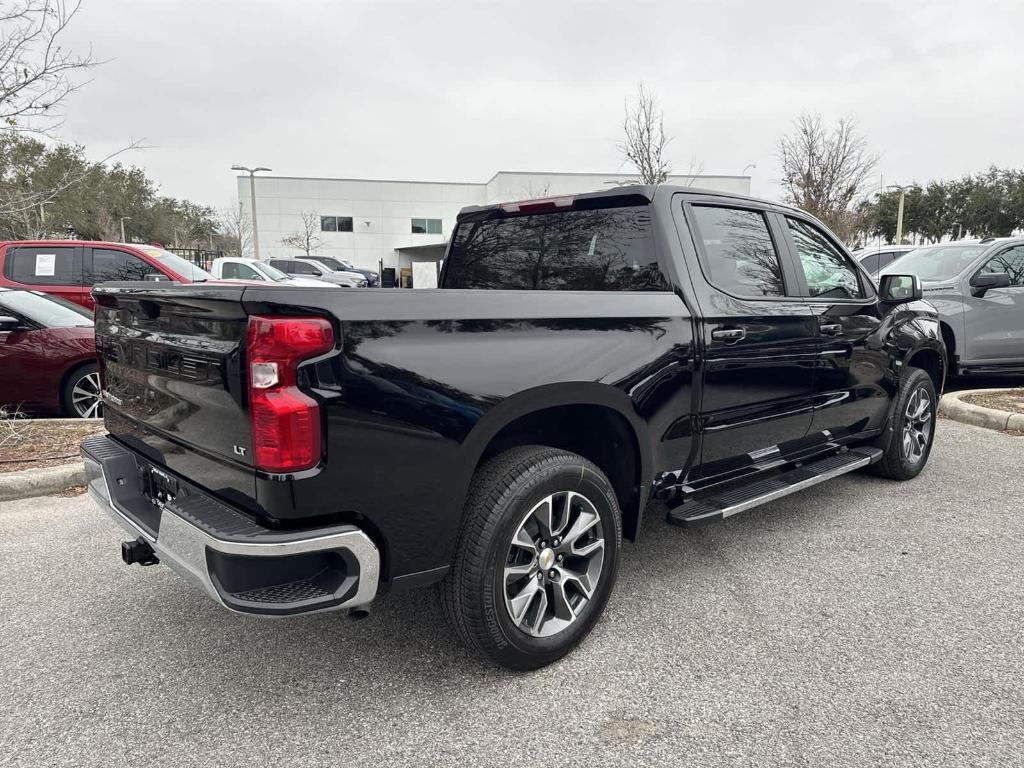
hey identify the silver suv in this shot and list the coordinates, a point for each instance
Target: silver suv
(978, 288)
(296, 266)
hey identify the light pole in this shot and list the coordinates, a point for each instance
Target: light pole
(748, 165)
(899, 211)
(123, 220)
(252, 194)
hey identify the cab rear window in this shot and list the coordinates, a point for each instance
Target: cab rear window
(609, 249)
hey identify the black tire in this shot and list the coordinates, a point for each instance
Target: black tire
(475, 593)
(896, 464)
(84, 378)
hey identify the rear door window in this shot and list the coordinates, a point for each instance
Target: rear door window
(608, 249)
(873, 262)
(108, 264)
(44, 265)
(737, 251)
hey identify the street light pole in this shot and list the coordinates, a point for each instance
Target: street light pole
(123, 220)
(252, 196)
(899, 217)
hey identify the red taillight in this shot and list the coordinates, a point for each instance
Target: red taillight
(285, 420)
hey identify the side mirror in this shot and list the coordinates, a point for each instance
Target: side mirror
(983, 282)
(899, 289)
(8, 323)
(317, 272)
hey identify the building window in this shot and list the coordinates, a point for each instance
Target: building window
(335, 223)
(426, 226)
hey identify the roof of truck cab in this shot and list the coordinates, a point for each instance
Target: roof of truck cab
(646, 191)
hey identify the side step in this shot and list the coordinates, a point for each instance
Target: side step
(717, 506)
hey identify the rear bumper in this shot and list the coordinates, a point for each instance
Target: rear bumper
(240, 564)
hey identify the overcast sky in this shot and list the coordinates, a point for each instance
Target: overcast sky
(455, 92)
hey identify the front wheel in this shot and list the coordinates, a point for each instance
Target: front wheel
(536, 559)
(913, 428)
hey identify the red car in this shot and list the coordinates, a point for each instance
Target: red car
(47, 355)
(70, 268)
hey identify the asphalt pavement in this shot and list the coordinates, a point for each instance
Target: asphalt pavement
(862, 622)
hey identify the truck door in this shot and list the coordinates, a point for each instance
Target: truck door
(759, 336)
(851, 373)
(994, 322)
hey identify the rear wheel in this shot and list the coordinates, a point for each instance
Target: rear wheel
(536, 559)
(81, 395)
(913, 428)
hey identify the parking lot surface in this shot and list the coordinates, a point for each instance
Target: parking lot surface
(861, 622)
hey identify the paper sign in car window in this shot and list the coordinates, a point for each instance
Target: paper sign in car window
(45, 264)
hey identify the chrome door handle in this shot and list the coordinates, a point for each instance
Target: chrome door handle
(729, 335)
(831, 329)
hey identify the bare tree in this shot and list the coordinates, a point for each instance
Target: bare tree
(644, 139)
(235, 230)
(306, 238)
(36, 71)
(824, 169)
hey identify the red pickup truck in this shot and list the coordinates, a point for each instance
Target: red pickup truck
(70, 268)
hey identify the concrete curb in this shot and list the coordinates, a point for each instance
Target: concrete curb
(951, 406)
(40, 482)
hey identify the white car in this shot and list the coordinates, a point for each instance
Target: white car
(234, 268)
(875, 258)
(300, 266)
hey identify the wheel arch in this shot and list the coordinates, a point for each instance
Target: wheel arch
(930, 358)
(594, 420)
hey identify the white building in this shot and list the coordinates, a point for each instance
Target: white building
(373, 222)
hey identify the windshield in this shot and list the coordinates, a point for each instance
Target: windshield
(330, 263)
(938, 262)
(182, 266)
(48, 311)
(272, 272)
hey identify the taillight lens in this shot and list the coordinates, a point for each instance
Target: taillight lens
(285, 420)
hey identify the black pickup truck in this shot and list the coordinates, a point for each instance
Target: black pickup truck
(295, 450)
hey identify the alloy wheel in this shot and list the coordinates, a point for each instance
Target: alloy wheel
(86, 397)
(554, 563)
(917, 425)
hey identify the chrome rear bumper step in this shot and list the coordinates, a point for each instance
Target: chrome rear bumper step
(717, 506)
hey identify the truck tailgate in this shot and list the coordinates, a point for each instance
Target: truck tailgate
(171, 359)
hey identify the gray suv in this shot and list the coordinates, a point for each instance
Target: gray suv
(978, 288)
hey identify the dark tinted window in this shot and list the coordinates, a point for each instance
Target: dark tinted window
(610, 249)
(43, 265)
(117, 265)
(1011, 262)
(284, 265)
(827, 271)
(299, 268)
(871, 262)
(738, 252)
(885, 259)
(232, 270)
(335, 223)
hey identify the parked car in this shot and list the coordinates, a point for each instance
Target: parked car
(70, 268)
(47, 355)
(342, 265)
(302, 267)
(977, 286)
(709, 349)
(875, 258)
(234, 268)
